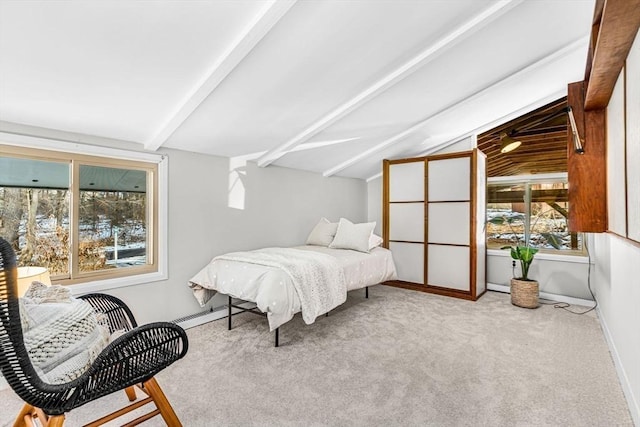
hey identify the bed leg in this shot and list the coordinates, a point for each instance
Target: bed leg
(326, 314)
(366, 292)
(277, 330)
(229, 314)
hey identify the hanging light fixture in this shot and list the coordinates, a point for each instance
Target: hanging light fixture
(507, 143)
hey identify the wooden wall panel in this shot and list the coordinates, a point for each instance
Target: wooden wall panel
(587, 172)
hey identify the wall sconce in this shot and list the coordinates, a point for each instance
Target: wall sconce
(27, 275)
(507, 143)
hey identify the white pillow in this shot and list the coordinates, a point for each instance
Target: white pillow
(353, 236)
(374, 241)
(322, 234)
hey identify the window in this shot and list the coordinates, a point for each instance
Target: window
(531, 210)
(86, 218)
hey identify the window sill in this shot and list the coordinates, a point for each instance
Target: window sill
(579, 259)
(119, 282)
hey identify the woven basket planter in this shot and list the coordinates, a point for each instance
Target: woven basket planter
(524, 293)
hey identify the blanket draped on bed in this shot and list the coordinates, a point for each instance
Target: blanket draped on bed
(317, 278)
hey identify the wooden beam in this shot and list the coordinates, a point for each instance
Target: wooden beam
(517, 196)
(615, 35)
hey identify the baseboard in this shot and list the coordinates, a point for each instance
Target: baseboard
(208, 316)
(632, 402)
(545, 295)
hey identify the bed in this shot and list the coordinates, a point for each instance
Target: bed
(310, 279)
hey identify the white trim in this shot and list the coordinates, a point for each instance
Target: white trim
(163, 202)
(116, 282)
(542, 177)
(250, 37)
(632, 401)
(517, 113)
(578, 259)
(578, 44)
(544, 295)
(376, 176)
(396, 76)
(65, 146)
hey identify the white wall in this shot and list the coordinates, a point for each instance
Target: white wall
(617, 290)
(617, 259)
(281, 206)
(374, 203)
(557, 275)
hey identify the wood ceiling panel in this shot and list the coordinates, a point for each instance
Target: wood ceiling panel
(543, 133)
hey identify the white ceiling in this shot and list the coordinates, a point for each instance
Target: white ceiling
(331, 86)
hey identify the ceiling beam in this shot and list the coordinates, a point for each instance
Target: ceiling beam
(265, 20)
(452, 107)
(615, 34)
(390, 79)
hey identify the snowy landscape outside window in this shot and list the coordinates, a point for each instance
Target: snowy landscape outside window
(82, 217)
(531, 213)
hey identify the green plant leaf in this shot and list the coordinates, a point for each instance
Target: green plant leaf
(553, 239)
(527, 254)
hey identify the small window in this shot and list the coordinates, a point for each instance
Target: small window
(85, 218)
(533, 212)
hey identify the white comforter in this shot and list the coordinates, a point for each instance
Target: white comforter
(272, 288)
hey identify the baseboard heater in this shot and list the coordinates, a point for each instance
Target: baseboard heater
(206, 316)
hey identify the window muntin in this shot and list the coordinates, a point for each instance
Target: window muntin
(84, 203)
(530, 212)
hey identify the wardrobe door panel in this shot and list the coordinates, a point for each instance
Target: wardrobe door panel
(448, 267)
(449, 223)
(406, 182)
(409, 260)
(406, 222)
(449, 179)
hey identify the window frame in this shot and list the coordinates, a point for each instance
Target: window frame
(544, 253)
(47, 149)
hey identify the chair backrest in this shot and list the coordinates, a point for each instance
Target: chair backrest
(15, 364)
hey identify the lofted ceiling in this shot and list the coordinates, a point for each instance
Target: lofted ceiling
(329, 86)
(543, 134)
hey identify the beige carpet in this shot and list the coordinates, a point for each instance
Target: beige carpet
(398, 358)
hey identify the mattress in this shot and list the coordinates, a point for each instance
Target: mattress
(272, 289)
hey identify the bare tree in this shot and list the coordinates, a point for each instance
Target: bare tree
(29, 250)
(10, 213)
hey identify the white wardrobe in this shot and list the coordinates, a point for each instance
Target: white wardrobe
(434, 211)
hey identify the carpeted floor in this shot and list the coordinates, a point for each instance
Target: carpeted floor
(399, 358)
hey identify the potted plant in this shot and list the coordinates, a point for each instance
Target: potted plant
(524, 291)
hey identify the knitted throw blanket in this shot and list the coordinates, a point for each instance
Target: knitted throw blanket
(62, 334)
(317, 278)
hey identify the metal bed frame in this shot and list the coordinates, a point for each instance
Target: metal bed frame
(255, 310)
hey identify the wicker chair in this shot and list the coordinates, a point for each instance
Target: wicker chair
(130, 360)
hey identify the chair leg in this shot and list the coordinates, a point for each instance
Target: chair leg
(155, 392)
(29, 412)
(56, 421)
(26, 410)
(131, 393)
